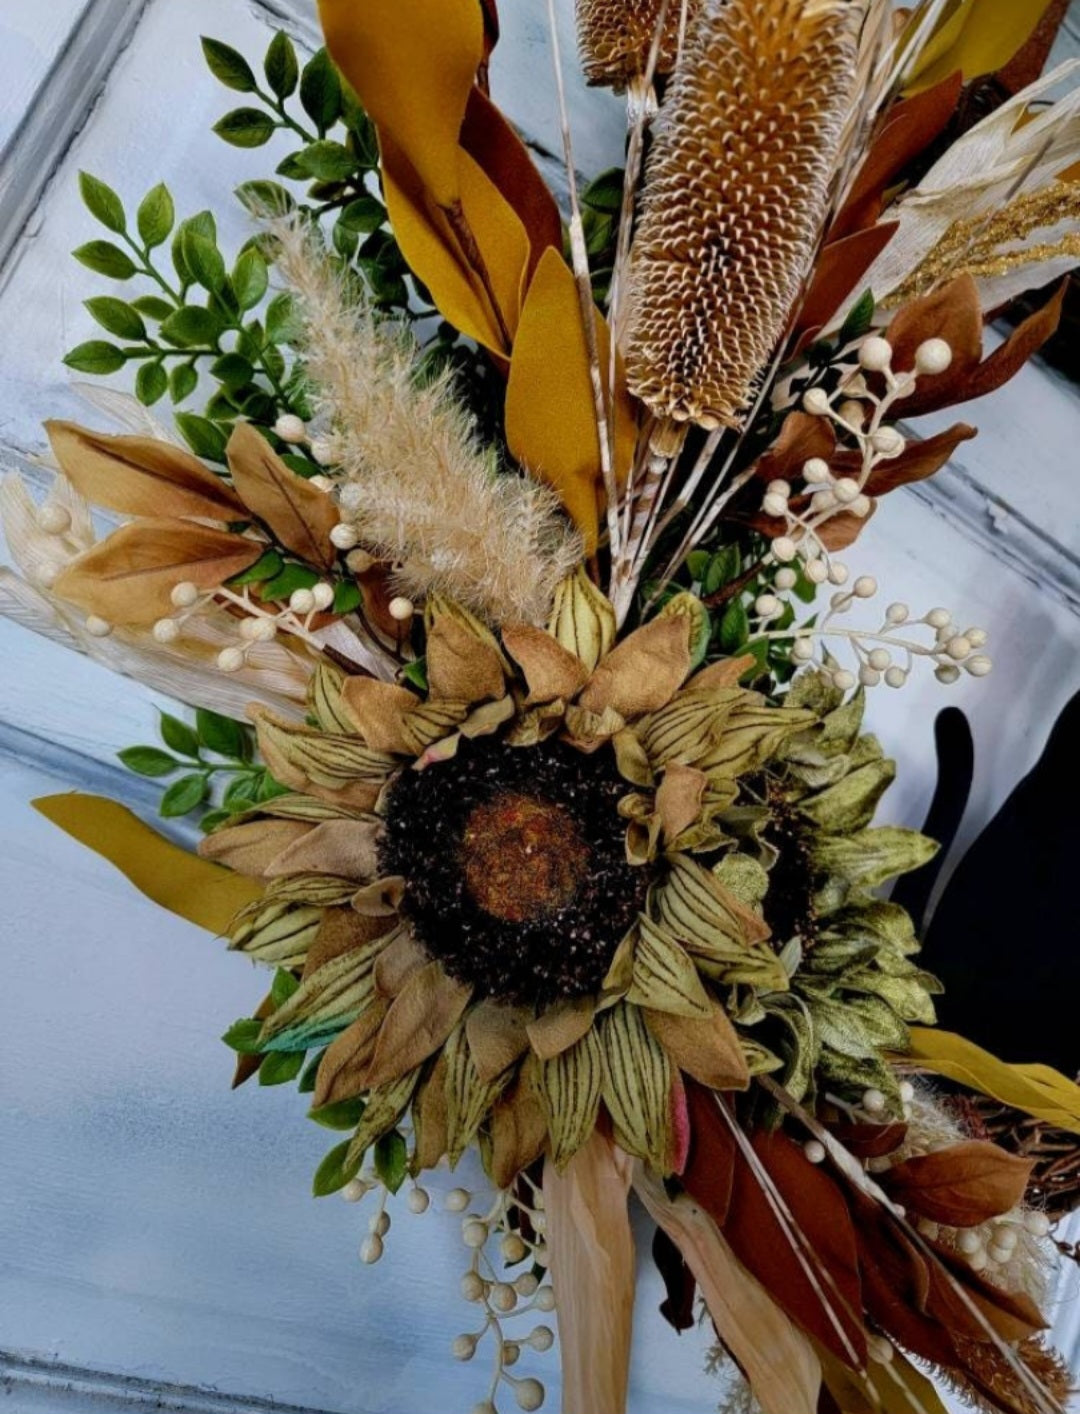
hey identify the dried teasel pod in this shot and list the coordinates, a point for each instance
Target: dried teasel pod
(616, 36)
(735, 196)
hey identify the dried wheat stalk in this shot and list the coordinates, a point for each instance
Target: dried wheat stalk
(736, 193)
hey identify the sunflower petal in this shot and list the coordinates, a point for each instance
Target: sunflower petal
(583, 620)
(707, 1049)
(420, 1019)
(570, 1086)
(551, 671)
(560, 1027)
(637, 1084)
(342, 1073)
(518, 1128)
(497, 1037)
(325, 1003)
(385, 1106)
(665, 978)
(643, 673)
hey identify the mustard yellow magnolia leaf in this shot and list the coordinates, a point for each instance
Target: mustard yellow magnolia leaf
(193, 888)
(977, 37)
(412, 64)
(550, 406)
(1038, 1090)
(435, 252)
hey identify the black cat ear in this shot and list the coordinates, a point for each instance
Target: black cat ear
(1003, 937)
(955, 748)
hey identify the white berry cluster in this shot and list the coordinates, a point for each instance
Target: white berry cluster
(884, 653)
(295, 431)
(500, 1294)
(258, 622)
(858, 414)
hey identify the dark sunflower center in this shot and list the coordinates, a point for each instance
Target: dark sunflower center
(515, 868)
(789, 904)
(522, 858)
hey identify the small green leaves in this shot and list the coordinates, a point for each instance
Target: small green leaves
(204, 437)
(151, 383)
(320, 91)
(246, 127)
(336, 1170)
(148, 761)
(283, 986)
(858, 321)
(156, 216)
(268, 566)
(102, 202)
(222, 735)
(264, 198)
(243, 1036)
(281, 1067)
(250, 279)
(605, 192)
(391, 1160)
(178, 736)
(191, 327)
(228, 65)
(182, 382)
(364, 215)
(281, 66)
(326, 161)
(184, 796)
(117, 317)
(203, 259)
(343, 1114)
(106, 259)
(95, 356)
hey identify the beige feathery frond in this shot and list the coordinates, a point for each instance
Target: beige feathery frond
(615, 37)
(736, 193)
(411, 476)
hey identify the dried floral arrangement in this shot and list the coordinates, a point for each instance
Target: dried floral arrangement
(522, 758)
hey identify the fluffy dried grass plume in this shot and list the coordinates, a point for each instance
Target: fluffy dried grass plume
(412, 478)
(735, 196)
(616, 36)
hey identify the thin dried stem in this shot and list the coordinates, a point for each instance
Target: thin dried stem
(580, 258)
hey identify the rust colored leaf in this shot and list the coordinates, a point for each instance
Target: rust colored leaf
(492, 143)
(678, 1306)
(129, 577)
(909, 129)
(708, 1050)
(952, 313)
(918, 460)
(300, 516)
(140, 476)
(710, 1166)
(1024, 341)
(801, 437)
(869, 1141)
(841, 266)
(962, 1186)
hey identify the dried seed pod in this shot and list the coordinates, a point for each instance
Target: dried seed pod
(616, 36)
(735, 196)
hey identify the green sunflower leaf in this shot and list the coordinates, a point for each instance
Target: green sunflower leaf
(336, 1170)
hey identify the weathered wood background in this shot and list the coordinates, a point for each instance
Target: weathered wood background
(156, 1238)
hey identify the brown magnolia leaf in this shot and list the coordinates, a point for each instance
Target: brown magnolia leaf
(840, 267)
(818, 1207)
(953, 313)
(643, 672)
(1024, 341)
(1012, 1315)
(801, 437)
(420, 1019)
(962, 1186)
(869, 1141)
(299, 515)
(342, 1072)
(706, 1049)
(910, 127)
(252, 847)
(919, 460)
(129, 577)
(140, 476)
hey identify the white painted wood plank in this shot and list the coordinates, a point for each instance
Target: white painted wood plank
(31, 36)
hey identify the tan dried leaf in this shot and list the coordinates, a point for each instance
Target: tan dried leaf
(962, 1186)
(129, 577)
(140, 476)
(462, 667)
(252, 847)
(518, 1130)
(679, 798)
(420, 1019)
(345, 848)
(707, 1049)
(561, 1027)
(551, 671)
(643, 673)
(735, 197)
(299, 515)
(343, 1069)
(377, 711)
(497, 1037)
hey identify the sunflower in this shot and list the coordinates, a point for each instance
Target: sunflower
(542, 892)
